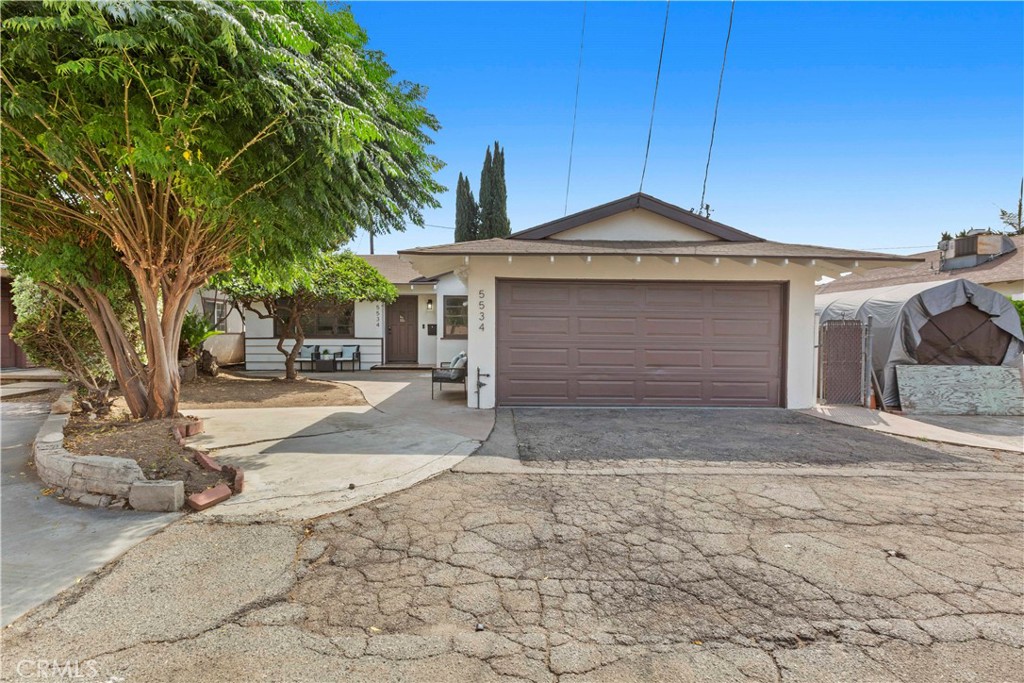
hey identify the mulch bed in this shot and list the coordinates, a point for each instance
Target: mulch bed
(230, 390)
(147, 442)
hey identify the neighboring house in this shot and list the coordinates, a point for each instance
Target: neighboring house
(996, 261)
(639, 302)
(229, 346)
(427, 324)
(11, 355)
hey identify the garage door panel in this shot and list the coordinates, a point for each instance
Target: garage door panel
(532, 325)
(639, 343)
(604, 297)
(674, 327)
(724, 328)
(672, 390)
(739, 297)
(672, 297)
(742, 358)
(519, 293)
(606, 326)
(605, 358)
(619, 390)
(526, 389)
(673, 358)
(740, 390)
(532, 358)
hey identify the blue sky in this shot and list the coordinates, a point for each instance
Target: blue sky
(861, 125)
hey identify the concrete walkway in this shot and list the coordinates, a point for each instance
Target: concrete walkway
(47, 545)
(979, 431)
(27, 388)
(305, 462)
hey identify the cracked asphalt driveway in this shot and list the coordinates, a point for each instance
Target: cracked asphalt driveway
(907, 575)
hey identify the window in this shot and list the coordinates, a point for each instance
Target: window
(323, 320)
(456, 317)
(216, 313)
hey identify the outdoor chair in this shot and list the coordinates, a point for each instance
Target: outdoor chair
(348, 354)
(453, 372)
(309, 353)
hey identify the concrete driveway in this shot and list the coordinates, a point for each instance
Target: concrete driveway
(883, 568)
(46, 545)
(305, 462)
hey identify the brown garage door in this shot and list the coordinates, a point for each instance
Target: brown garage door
(639, 343)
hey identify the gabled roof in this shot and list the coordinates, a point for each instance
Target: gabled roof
(636, 201)
(394, 268)
(1003, 268)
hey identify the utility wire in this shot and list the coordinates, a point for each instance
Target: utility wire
(718, 98)
(575, 108)
(654, 101)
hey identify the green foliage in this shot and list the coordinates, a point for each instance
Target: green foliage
(338, 278)
(493, 196)
(467, 213)
(56, 335)
(195, 329)
(270, 120)
(1013, 220)
(147, 145)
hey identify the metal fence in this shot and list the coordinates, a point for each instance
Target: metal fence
(843, 372)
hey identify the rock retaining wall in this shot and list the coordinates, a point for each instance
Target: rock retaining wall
(106, 481)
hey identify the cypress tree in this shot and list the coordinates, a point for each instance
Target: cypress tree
(486, 198)
(466, 212)
(502, 227)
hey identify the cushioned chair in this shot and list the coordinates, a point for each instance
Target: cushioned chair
(349, 354)
(452, 372)
(309, 353)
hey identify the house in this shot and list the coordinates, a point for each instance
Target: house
(996, 261)
(639, 302)
(425, 325)
(229, 346)
(11, 355)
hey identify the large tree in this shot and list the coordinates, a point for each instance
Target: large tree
(493, 196)
(467, 213)
(287, 294)
(148, 144)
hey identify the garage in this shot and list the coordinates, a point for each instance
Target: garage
(603, 342)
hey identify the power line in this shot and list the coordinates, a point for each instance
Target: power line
(718, 98)
(575, 108)
(654, 101)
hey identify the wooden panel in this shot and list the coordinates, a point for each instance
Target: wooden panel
(960, 389)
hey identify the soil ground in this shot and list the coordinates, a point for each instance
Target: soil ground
(232, 390)
(42, 397)
(148, 443)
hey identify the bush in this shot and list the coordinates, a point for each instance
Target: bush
(195, 329)
(55, 335)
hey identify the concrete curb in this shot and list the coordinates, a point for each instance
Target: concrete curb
(111, 482)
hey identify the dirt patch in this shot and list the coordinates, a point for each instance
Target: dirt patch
(231, 390)
(147, 442)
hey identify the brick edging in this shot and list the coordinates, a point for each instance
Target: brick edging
(112, 482)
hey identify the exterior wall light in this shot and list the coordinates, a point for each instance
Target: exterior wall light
(430, 304)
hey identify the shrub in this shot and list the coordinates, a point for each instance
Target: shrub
(56, 335)
(195, 329)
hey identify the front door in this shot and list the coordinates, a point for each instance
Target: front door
(402, 330)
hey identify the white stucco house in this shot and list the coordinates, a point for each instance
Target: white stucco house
(634, 302)
(425, 325)
(228, 346)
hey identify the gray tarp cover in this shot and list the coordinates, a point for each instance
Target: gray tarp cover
(898, 313)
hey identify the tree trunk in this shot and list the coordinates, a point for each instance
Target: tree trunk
(292, 324)
(163, 335)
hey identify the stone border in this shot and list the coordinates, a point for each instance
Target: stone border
(111, 482)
